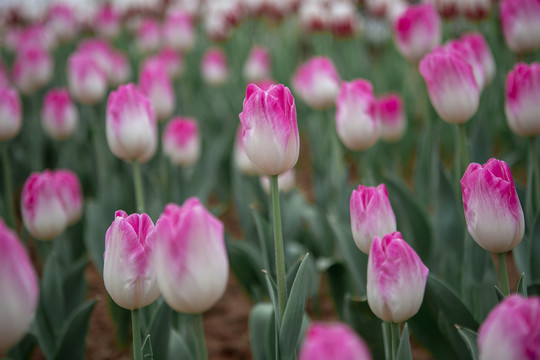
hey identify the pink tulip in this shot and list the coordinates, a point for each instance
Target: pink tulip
(343, 18)
(269, 129)
(511, 330)
(325, 341)
(417, 31)
(378, 8)
(313, 16)
(522, 99)
(466, 52)
(190, 260)
(129, 277)
(10, 113)
(120, 69)
(241, 160)
(19, 289)
(214, 68)
(258, 64)
(178, 31)
(181, 141)
(154, 83)
(70, 191)
(391, 116)
(149, 36)
(475, 9)
(62, 22)
(102, 52)
(32, 68)
(286, 181)
(483, 54)
(356, 121)
(173, 62)
(87, 81)
(34, 35)
(107, 22)
(396, 279)
(317, 82)
(492, 208)
(451, 85)
(520, 20)
(131, 125)
(58, 115)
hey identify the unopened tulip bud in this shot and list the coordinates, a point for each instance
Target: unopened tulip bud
(464, 50)
(32, 68)
(522, 103)
(107, 22)
(492, 208)
(129, 277)
(343, 18)
(149, 36)
(87, 81)
(62, 22)
(391, 115)
(482, 52)
(155, 84)
(317, 82)
(70, 191)
(173, 62)
(10, 113)
(520, 21)
(181, 141)
(257, 66)
(214, 68)
(58, 116)
(396, 279)
(102, 52)
(475, 9)
(178, 31)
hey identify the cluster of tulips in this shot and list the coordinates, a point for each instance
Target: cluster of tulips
(378, 253)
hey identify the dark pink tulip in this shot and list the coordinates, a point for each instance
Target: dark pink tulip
(317, 82)
(522, 105)
(59, 115)
(520, 20)
(10, 113)
(181, 141)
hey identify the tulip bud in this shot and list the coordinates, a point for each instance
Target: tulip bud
(174, 63)
(371, 215)
(356, 122)
(241, 160)
(102, 52)
(325, 341)
(466, 52)
(87, 81)
(107, 22)
(451, 85)
(483, 54)
(190, 260)
(286, 181)
(511, 330)
(155, 84)
(317, 82)
(32, 68)
(417, 31)
(10, 113)
(181, 141)
(391, 116)
(214, 68)
(149, 36)
(131, 125)
(520, 21)
(343, 18)
(19, 290)
(121, 70)
(70, 191)
(178, 31)
(492, 208)
(62, 22)
(257, 66)
(396, 279)
(269, 129)
(522, 94)
(129, 277)
(58, 115)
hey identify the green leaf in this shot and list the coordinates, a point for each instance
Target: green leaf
(146, 349)
(338, 285)
(178, 348)
(499, 294)
(404, 349)
(121, 320)
(469, 337)
(533, 289)
(97, 218)
(74, 285)
(522, 286)
(160, 330)
(272, 291)
(72, 335)
(260, 318)
(264, 234)
(246, 265)
(23, 349)
(51, 292)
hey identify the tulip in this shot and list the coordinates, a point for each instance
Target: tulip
(466, 52)
(10, 113)
(378, 8)
(317, 82)
(214, 68)
(154, 83)
(492, 208)
(181, 141)
(100, 50)
(451, 85)
(19, 289)
(120, 69)
(313, 16)
(32, 68)
(417, 31)
(178, 31)
(258, 64)
(286, 181)
(325, 341)
(391, 116)
(343, 18)
(396, 279)
(87, 81)
(190, 259)
(58, 116)
(131, 125)
(70, 192)
(520, 21)
(35, 35)
(107, 22)
(241, 160)
(174, 63)
(482, 52)
(522, 94)
(62, 22)
(149, 36)
(356, 122)
(511, 330)
(269, 129)
(371, 215)
(129, 277)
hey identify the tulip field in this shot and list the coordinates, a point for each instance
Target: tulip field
(258, 179)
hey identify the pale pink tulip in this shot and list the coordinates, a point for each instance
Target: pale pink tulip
(522, 104)
(107, 21)
(32, 68)
(155, 84)
(149, 36)
(313, 16)
(179, 31)
(343, 18)
(70, 191)
(101, 51)
(258, 64)
(317, 82)
(10, 113)
(391, 116)
(87, 81)
(62, 22)
(520, 20)
(214, 67)
(475, 9)
(465, 50)
(120, 69)
(181, 141)
(59, 115)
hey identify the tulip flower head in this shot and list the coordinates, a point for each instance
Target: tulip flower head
(181, 141)
(58, 116)
(87, 81)
(522, 94)
(120, 69)
(520, 22)
(107, 21)
(258, 64)
(155, 84)
(483, 54)
(178, 31)
(10, 113)
(214, 67)
(62, 22)
(32, 68)
(317, 82)
(492, 208)
(391, 116)
(241, 160)
(149, 36)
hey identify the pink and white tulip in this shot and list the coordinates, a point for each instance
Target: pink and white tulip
(492, 208)
(62, 22)
(131, 125)
(241, 160)
(269, 129)
(483, 54)
(87, 81)
(120, 69)
(128, 274)
(107, 21)
(149, 36)
(522, 99)
(59, 116)
(396, 279)
(317, 82)
(173, 62)
(214, 67)
(465, 50)
(258, 64)
(101, 51)
(313, 16)
(70, 191)
(343, 18)
(520, 21)
(155, 84)
(32, 68)
(325, 341)
(10, 113)
(190, 260)
(178, 31)
(356, 121)
(511, 330)
(391, 116)
(181, 141)
(19, 289)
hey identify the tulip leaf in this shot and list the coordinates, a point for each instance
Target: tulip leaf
(177, 347)
(97, 220)
(72, 335)
(51, 292)
(121, 320)
(499, 294)
(146, 348)
(272, 292)
(160, 331)
(260, 318)
(404, 349)
(246, 265)
(23, 349)
(74, 285)
(264, 234)
(522, 286)
(469, 337)
(338, 285)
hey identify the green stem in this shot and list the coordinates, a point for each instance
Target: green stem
(536, 174)
(395, 339)
(461, 159)
(138, 186)
(463, 144)
(278, 243)
(503, 274)
(136, 333)
(387, 336)
(201, 344)
(8, 193)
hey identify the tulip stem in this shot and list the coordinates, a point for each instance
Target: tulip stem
(503, 274)
(136, 333)
(8, 194)
(278, 243)
(138, 186)
(387, 337)
(199, 332)
(394, 327)
(536, 175)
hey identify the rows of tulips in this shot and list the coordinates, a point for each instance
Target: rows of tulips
(402, 147)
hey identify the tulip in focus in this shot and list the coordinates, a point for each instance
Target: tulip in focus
(155, 84)
(181, 141)
(269, 129)
(129, 277)
(520, 22)
(32, 68)
(214, 68)
(131, 125)
(190, 258)
(492, 208)
(257, 66)
(511, 330)
(317, 82)
(10, 113)
(356, 122)
(391, 116)
(19, 289)
(178, 31)
(87, 81)
(58, 115)
(396, 279)
(324, 341)
(286, 181)
(522, 104)
(149, 36)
